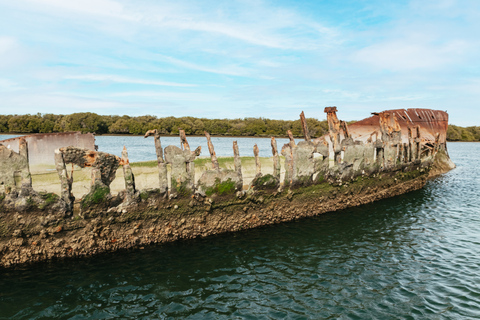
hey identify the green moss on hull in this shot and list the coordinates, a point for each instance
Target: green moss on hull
(266, 182)
(180, 189)
(98, 196)
(221, 188)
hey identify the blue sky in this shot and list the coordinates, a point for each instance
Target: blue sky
(236, 59)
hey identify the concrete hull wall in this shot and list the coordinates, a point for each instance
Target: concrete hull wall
(162, 222)
(41, 147)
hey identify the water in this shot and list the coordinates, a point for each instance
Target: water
(141, 149)
(416, 256)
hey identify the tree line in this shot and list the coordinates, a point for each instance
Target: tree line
(255, 127)
(99, 124)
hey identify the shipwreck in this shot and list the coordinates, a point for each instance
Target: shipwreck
(390, 153)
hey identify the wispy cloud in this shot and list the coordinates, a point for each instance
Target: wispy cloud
(120, 79)
(8, 85)
(407, 55)
(238, 58)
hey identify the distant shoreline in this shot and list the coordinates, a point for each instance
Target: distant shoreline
(195, 136)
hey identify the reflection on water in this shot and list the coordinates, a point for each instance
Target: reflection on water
(414, 256)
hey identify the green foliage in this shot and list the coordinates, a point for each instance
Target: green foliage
(143, 164)
(456, 133)
(144, 195)
(257, 127)
(2, 196)
(221, 188)
(97, 196)
(86, 122)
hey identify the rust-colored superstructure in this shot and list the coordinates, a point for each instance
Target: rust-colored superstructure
(429, 122)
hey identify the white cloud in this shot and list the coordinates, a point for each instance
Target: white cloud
(7, 85)
(253, 23)
(120, 79)
(90, 7)
(406, 55)
(175, 96)
(227, 70)
(7, 44)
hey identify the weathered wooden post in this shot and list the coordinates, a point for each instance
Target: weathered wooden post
(306, 134)
(288, 153)
(26, 186)
(190, 164)
(276, 159)
(162, 166)
(290, 137)
(128, 176)
(258, 165)
(236, 159)
(213, 156)
(183, 140)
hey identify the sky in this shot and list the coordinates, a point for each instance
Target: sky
(237, 59)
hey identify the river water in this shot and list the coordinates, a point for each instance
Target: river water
(416, 256)
(141, 149)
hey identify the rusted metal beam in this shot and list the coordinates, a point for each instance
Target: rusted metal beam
(158, 144)
(344, 127)
(333, 127)
(290, 137)
(306, 134)
(183, 139)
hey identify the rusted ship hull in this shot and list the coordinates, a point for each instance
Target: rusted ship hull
(388, 154)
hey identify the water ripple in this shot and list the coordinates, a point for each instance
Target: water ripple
(413, 256)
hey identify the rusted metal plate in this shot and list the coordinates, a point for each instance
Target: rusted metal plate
(430, 122)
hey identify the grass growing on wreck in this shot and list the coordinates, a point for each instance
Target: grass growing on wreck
(48, 198)
(266, 181)
(96, 197)
(221, 188)
(181, 189)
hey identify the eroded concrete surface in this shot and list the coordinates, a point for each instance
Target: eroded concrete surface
(390, 153)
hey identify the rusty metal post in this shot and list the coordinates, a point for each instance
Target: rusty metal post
(290, 137)
(418, 141)
(183, 140)
(213, 156)
(258, 165)
(276, 159)
(437, 143)
(306, 134)
(344, 127)
(333, 127)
